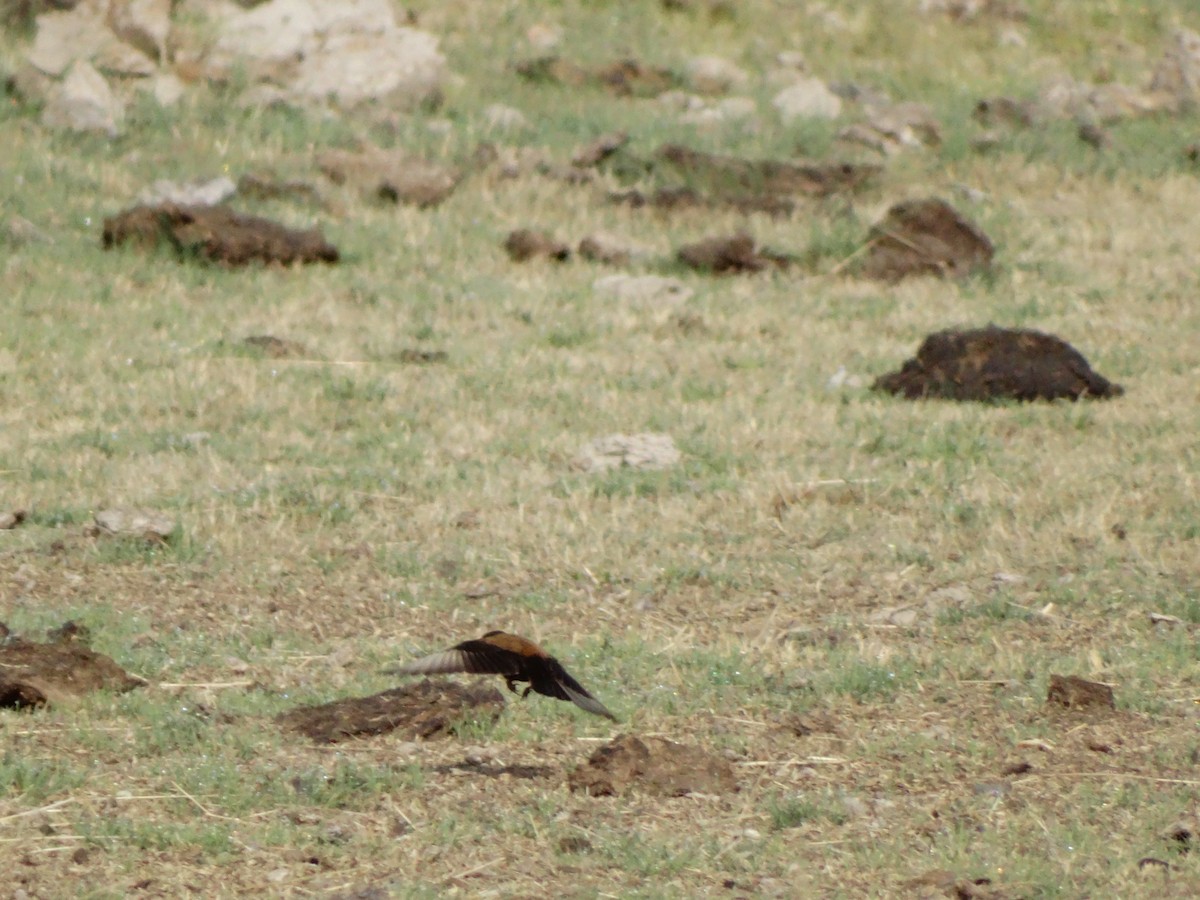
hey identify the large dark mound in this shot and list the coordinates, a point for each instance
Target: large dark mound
(217, 234)
(995, 364)
(424, 710)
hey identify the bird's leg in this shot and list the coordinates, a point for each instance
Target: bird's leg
(526, 692)
(512, 685)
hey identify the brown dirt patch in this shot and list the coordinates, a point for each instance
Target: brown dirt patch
(996, 363)
(654, 765)
(33, 675)
(424, 710)
(925, 237)
(276, 347)
(216, 234)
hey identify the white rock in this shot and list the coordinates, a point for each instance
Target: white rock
(84, 102)
(349, 52)
(807, 98)
(208, 192)
(731, 109)
(167, 89)
(680, 100)
(844, 379)
(63, 37)
(634, 451)
(544, 37)
(504, 118)
(713, 75)
(403, 66)
(643, 290)
(791, 59)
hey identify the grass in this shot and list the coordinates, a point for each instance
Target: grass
(858, 601)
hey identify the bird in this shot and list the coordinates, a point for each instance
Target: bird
(514, 657)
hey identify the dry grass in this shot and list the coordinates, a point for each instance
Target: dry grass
(858, 600)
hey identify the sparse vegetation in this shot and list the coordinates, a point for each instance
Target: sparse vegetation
(857, 599)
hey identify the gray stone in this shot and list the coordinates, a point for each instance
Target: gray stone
(84, 102)
(807, 98)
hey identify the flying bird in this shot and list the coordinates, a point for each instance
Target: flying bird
(517, 659)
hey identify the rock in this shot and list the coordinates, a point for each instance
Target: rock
(349, 52)
(654, 765)
(543, 36)
(1065, 98)
(524, 244)
(1178, 73)
(713, 75)
(627, 451)
(1074, 692)
(644, 290)
(731, 109)
(808, 98)
(135, 522)
(145, 24)
(996, 364)
(30, 85)
(166, 88)
(925, 237)
(84, 102)
(504, 118)
(207, 192)
(65, 36)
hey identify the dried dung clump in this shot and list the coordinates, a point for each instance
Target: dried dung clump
(32, 674)
(390, 175)
(925, 237)
(524, 244)
(217, 234)
(730, 254)
(996, 364)
(731, 175)
(1073, 692)
(424, 710)
(624, 77)
(654, 765)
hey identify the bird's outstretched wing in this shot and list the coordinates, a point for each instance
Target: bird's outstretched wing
(471, 657)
